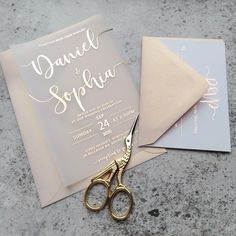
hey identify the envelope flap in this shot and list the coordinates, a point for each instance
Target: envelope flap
(169, 88)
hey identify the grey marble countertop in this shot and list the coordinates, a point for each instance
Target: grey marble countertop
(180, 193)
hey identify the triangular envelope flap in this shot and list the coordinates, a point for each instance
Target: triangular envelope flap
(169, 88)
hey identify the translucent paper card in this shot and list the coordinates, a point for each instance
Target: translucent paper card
(206, 125)
(82, 92)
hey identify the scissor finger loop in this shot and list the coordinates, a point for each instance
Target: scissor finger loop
(94, 183)
(118, 190)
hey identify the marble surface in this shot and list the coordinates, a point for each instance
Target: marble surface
(190, 193)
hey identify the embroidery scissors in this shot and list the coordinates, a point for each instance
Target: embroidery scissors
(114, 168)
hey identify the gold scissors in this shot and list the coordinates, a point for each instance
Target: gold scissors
(115, 168)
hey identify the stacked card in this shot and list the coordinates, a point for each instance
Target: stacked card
(206, 125)
(75, 101)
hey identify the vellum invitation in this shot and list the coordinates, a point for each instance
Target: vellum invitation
(82, 93)
(85, 130)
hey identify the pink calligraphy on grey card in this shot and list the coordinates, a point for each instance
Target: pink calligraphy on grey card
(83, 94)
(206, 125)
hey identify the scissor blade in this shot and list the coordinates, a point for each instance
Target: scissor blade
(133, 125)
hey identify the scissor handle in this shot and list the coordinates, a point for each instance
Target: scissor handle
(86, 196)
(120, 189)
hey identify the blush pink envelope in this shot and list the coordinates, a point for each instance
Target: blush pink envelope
(46, 176)
(169, 88)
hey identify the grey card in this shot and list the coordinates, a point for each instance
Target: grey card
(206, 125)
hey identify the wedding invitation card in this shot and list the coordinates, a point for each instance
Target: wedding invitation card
(206, 125)
(46, 176)
(82, 92)
(75, 102)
